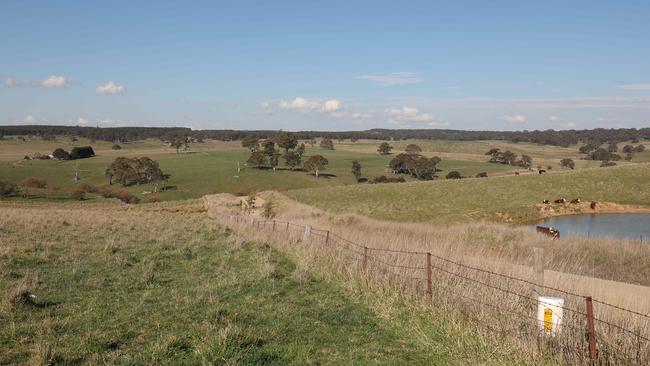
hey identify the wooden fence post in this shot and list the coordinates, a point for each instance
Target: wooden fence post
(287, 226)
(327, 237)
(538, 256)
(365, 257)
(273, 225)
(307, 234)
(593, 351)
(429, 284)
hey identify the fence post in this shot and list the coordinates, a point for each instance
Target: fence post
(287, 226)
(429, 285)
(365, 257)
(538, 255)
(593, 351)
(327, 237)
(307, 234)
(273, 225)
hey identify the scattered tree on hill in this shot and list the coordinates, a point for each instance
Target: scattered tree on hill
(384, 148)
(356, 169)
(567, 163)
(274, 160)
(526, 161)
(292, 159)
(612, 147)
(257, 159)
(287, 141)
(130, 171)
(604, 155)
(61, 154)
(251, 142)
(177, 143)
(453, 175)
(502, 157)
(417, 166)
(327, 144)
(413, 149)
(316, 163)
(639, 148)
(312, 142)
(300, 150)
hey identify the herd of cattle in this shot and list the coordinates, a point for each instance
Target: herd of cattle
(554, 233)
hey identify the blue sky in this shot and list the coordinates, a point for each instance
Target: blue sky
(335, 65)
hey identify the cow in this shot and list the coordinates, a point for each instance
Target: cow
(560, 200)
(548, 231)
(593, 205)
(516, 173)
(546, 202)
(575, 201)
(541, 171)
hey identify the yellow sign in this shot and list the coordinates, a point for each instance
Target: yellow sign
(548, 320)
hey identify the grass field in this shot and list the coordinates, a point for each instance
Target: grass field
(509, 199)
(209, 168)
(163, 284)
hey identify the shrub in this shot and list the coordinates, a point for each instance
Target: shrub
(8, 189)
(61, 154)
(269, 209)
(454, 175)
(121, 194)
(116, 147)
(385, 179)
(87, 188)
(33, 182)
(78, 193)
(82, 152)
(126, 197)
(152, 198)
(481, 175)
(606, 163)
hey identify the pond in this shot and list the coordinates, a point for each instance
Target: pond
(633, 226)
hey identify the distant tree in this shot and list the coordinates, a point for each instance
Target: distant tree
(356, 169)
(287, 141)
(354, 139)
(417, 166)
(177, 143)
(251, 142)
(413, 149)
(327, 144)
(82, 152)
(453, 175)
(526, 161)
(606, 163)
(316, 163)
(61, 154)
(639, 148)
(567, 163)
(274, 160)
(268, 210)
(292, 159)
(628, 149)
(8, 189)
(604, 155)
(508, 157)
(384, 148)
(612, 147)
(33, 182)
(130, 171)
(268, 147)
(257, 159)
(312, 142)
(300, 150)
(481, 175)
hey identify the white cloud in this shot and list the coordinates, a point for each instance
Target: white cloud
(265, 105)
(31, 120)
(643, 86)
(332, 105)
(54, 82)
(552, 119)
(396, 78)
(110, 88)
(438, 124)
(405, 115)
(300, 103)
(82, 121)
(10, 82)
(518, 119)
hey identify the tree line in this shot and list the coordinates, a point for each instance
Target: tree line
(563, 138)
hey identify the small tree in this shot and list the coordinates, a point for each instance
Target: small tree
(413, 149)
(250, 142)
(292, 159)
(61, 154)
(454, 175)
(384, 148)
(526, 161)
(269, 209)
(177, 143)
(274, 160)
(316, 163)
(356, 169)
(300, 150)
(327, 144)
(8, 189)
(257, 159)
(312, 142)
(567, 163)
(287, 141)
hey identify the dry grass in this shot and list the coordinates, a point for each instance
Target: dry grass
(578, 266)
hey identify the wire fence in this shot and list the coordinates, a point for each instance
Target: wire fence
(589, 331)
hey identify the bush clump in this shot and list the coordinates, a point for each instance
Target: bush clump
(385, 179)
(8, 189)
(121, 194)
(33, 182)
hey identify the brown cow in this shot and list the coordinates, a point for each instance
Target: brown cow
(546, 202)
(548, 231)
(575, 201)
(516, 173)
(560, 200)
(593, 205)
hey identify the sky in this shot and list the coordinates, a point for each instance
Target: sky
(326, 65)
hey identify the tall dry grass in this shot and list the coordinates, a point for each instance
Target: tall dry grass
(491, 302)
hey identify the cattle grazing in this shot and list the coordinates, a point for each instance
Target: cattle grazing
(542, 171)
(516, 173)
(575, 201)
(560, 200)
(546, 202)
(548, 231)
(593, 205)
